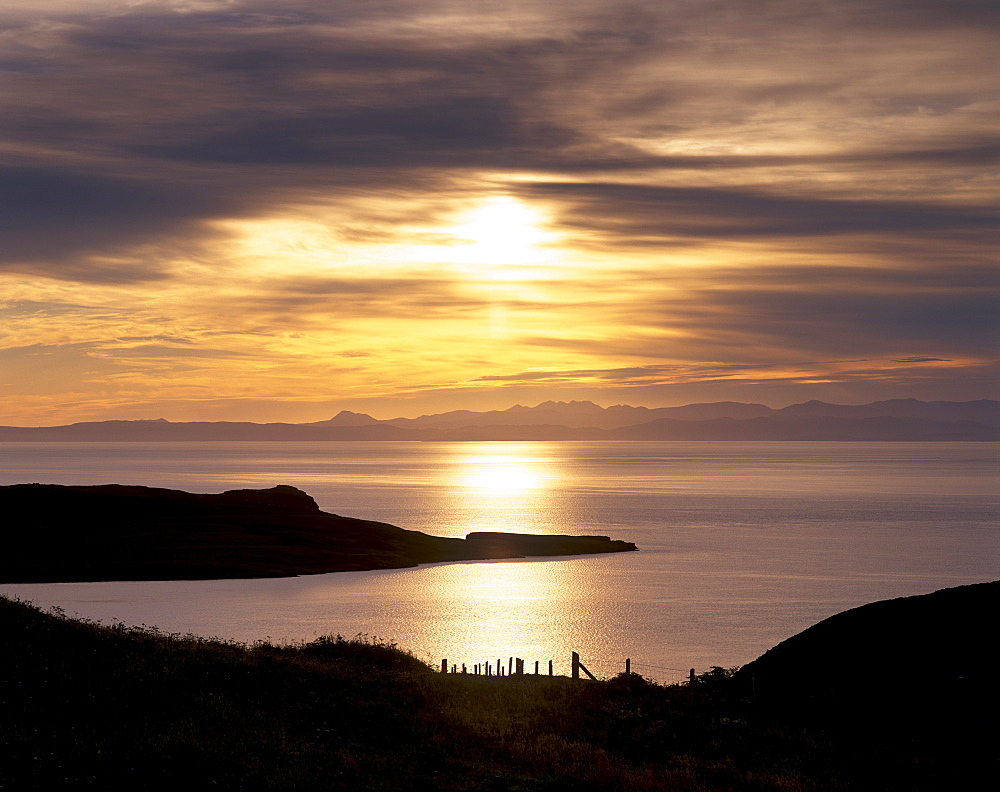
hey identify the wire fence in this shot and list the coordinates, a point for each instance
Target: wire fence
(516, 666)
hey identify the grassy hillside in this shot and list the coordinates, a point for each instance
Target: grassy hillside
(90, 707)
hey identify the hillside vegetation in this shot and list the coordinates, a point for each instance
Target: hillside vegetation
(112, 708)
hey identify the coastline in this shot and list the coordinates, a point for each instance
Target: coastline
(113, 532)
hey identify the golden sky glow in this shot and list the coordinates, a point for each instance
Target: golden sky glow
(261, 211)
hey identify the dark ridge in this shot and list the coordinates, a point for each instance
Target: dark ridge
(112, 708)
(54, 533)
(912, 657)
(914, 675)
(893, 420)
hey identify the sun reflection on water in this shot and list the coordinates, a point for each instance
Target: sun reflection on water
(536, 610)
(503, 487)
(503, 475)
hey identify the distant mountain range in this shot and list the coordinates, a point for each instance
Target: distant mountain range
(895, 419)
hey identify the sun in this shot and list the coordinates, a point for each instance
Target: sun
(501, 232)
(504, 480)
(502, 474)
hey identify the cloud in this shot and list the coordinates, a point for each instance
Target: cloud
(728, 189)
(809, 320)
(638, 375)
(411, 86)
(54, 221)
(640, 212)
(180, 352)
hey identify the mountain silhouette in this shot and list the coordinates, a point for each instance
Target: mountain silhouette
(892, 420)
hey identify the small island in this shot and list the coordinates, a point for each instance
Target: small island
(56, 533)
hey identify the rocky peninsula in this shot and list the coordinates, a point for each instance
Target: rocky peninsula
(56, 533)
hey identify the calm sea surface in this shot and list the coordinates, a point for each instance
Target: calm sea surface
(742, 544)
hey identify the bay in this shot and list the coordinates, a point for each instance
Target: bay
(741, 544)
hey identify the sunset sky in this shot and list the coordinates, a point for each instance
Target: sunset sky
(272, 210)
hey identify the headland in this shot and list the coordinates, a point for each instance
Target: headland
(56, 533)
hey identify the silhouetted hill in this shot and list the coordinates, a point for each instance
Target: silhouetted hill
(578, 415)
(926, 658)
(348, 418)
(205, 431)
(54, 533)
(910, 675)
(127, 708)
(894, 420)
(982, 411)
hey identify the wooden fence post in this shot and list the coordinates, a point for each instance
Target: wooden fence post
(536, 668)
(628, 666)
(578, 667)
(444, 666)
(550, 668)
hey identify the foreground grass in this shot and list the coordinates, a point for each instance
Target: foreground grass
(89, 707)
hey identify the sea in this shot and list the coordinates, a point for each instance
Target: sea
(741, 545)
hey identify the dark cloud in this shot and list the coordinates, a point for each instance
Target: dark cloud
(814, 313)
(932, 14)
(310, 84)
(833, 16)
(807, 321)
(50, 219)
(861, 323)
(653, 213)
(962, 152)
(416, 135)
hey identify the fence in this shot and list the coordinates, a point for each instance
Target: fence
(515, 667)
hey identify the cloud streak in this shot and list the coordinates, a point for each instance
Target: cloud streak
(713, 183)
